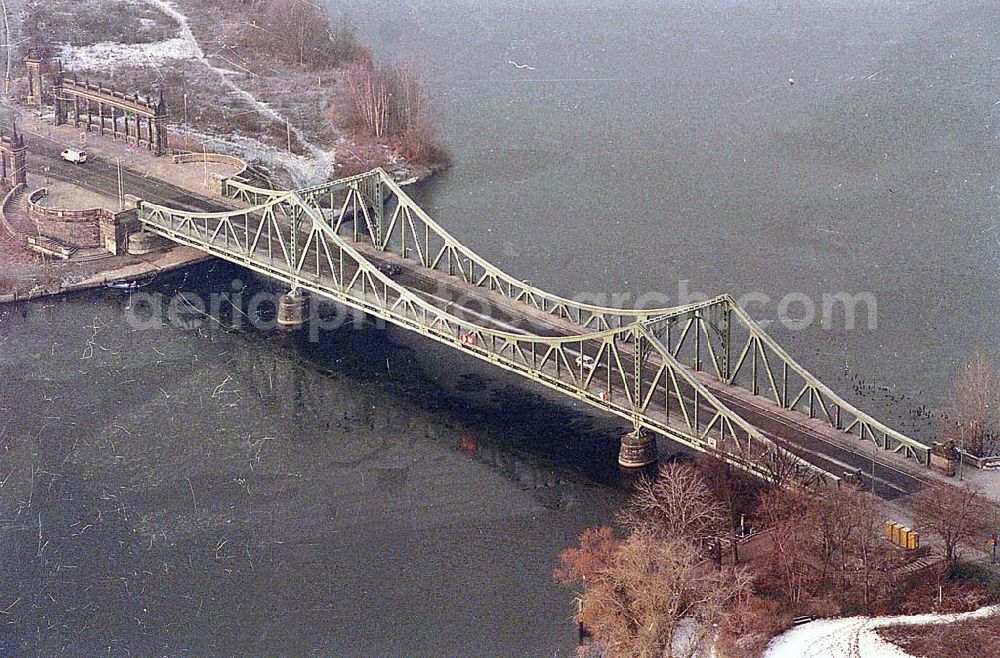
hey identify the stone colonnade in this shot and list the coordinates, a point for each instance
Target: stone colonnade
(135, 120)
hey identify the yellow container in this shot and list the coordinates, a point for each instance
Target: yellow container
(901, 536)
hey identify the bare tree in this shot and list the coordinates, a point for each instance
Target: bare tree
(782, 467)
(875, 558)
(850, 538)
(790, 520)
(389, 100)
(826, 544)
(344, 46)
(370, 91)
(735, 489)
(971, 420)
(956, 515)
(678, 502)
(658, 597)
(299, 32)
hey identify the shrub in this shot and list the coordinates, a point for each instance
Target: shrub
(299, 32)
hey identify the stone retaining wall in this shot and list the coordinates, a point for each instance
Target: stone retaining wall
(217, 158)
(3, 213)
(218, 181)
(984, 463)
(77, 228)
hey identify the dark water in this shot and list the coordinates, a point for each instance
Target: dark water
(186, 490)
(660, 142)
(194, 491)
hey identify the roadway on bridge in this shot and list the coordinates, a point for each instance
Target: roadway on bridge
(480, 306)
(811, 440)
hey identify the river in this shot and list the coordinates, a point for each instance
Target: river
(176, 486)
(657, 146)
(186, 489)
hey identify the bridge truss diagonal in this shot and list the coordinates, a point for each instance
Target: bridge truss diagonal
(677, 371)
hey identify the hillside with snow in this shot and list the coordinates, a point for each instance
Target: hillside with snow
(858, 637)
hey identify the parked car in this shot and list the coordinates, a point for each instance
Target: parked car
(74, 155)
(389, 269)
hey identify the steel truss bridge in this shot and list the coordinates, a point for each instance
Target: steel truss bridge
(704, 375)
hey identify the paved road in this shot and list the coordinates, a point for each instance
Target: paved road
(813, 444)
(102, 176)
(818, 448)
(470, 303)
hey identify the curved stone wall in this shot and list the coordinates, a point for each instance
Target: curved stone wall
(76, 228)
(3, 213)
(217, 158)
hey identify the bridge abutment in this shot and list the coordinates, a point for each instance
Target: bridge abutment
(292, 309)
(638, 449)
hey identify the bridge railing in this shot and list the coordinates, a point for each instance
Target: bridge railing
(719, 338)
(392, 221)
(248, 193)
(625, 370)
(308, 239)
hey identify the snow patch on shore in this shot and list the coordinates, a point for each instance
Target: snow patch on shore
(304, 170)
(316, 167)
(324, 160)
(855, 637)
(111, 55)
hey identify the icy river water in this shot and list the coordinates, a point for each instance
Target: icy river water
(184, 490)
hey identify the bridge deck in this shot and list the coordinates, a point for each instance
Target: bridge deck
(808, 437)
(624, 361)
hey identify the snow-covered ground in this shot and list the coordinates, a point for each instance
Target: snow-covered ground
(111, 55)
(854, 637)
(306, 170)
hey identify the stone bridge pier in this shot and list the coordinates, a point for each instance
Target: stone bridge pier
(638, 449)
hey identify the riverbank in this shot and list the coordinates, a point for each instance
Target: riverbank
(70, 199)
(291, 121)
(221, 94)
(918, 636)
(135, 268)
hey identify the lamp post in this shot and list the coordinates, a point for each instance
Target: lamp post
(874, 451)
(961, 448)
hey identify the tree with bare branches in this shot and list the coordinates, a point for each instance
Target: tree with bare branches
(789, 519)
(299, 32)
(735, 489)
(658, 597)
(971, 422)
(826, 544)
(856, 559)
(594, 556)
(955, 515)
(875, 558)
(677, 503)
(370, 91)
(389, 99)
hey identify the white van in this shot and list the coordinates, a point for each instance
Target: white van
(74, 155)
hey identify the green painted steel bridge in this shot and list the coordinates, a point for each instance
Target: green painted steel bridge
(704, 375)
